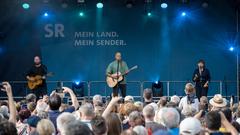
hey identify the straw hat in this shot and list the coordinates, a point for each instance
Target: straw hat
(218, 101)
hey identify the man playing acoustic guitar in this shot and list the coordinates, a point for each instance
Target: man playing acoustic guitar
(116, 70)
(36, 77)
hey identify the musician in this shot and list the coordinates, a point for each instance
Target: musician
(38, 69)
(118, 65)
(201, 77)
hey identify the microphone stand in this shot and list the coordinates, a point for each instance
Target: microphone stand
(118, 62)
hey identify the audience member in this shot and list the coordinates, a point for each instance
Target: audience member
(45, 127)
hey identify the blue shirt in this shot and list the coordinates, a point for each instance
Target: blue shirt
(53, 114)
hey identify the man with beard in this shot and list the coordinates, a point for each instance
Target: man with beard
(38, 69)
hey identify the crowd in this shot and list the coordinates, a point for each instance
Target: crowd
(185, 115)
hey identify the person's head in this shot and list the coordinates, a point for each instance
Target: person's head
(97, 99)
(55, 102)
(218, 102)
(203, 100)
(37, 60)
(162, 102)
(147, 94)
(118, 56)
(140, 130)
(136, 118)
(24, 114)
(45, 127)
(41, 106)
(129, 99)
(201, 64)
(99, 125)
(7, 128)
(76, 127)
(190, 126)
(114, 124)
(189, 89)
(148, 112)
(31, 98)
(31, 106)
(63, 120)
(168, 117)
(32, 122)
(4, 111)
(139, 105)
(213, 120)
(86, 112)
(175, 99)
(129, 132)
(127, 108)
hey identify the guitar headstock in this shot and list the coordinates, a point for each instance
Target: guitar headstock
(135, 67)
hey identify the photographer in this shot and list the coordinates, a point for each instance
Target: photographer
(190, 100)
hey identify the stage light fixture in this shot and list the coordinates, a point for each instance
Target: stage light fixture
(183, 14)
(81, 14)
(149, 14)
(157, 88)
(231, 48)
(25, 6)
(129, 3)
(78, 88)
(99, 4)
(45, 14)
(164, 5)
(205, 4)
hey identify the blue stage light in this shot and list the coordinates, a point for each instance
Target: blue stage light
(183, 14)
(25, 6)
(164, 5)
(99, 5)
(77, 82)
(149, 14)
(81, 14)
(231, 48)
(45, 14)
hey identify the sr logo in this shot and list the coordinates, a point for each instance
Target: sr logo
(54, 30)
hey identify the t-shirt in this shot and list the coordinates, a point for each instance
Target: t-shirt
(113, 66)
(183, 105)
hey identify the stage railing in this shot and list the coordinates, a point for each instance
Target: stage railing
(137, 87)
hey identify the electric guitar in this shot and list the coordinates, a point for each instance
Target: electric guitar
(37, 80)
(112, 81)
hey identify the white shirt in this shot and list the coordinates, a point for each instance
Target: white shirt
(183, 105)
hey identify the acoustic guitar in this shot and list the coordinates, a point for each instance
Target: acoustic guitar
(37, 80)
(112, 81)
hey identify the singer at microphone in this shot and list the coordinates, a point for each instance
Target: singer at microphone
(115, 69)
(201, 77)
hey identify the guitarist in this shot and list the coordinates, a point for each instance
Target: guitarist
(38, 69)
(118, 65)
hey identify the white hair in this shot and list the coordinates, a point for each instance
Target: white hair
(63, 120)
(97, 98)
(140, 130)
(87, 109)
(169, 117)
(148, 111)
(41, 106)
